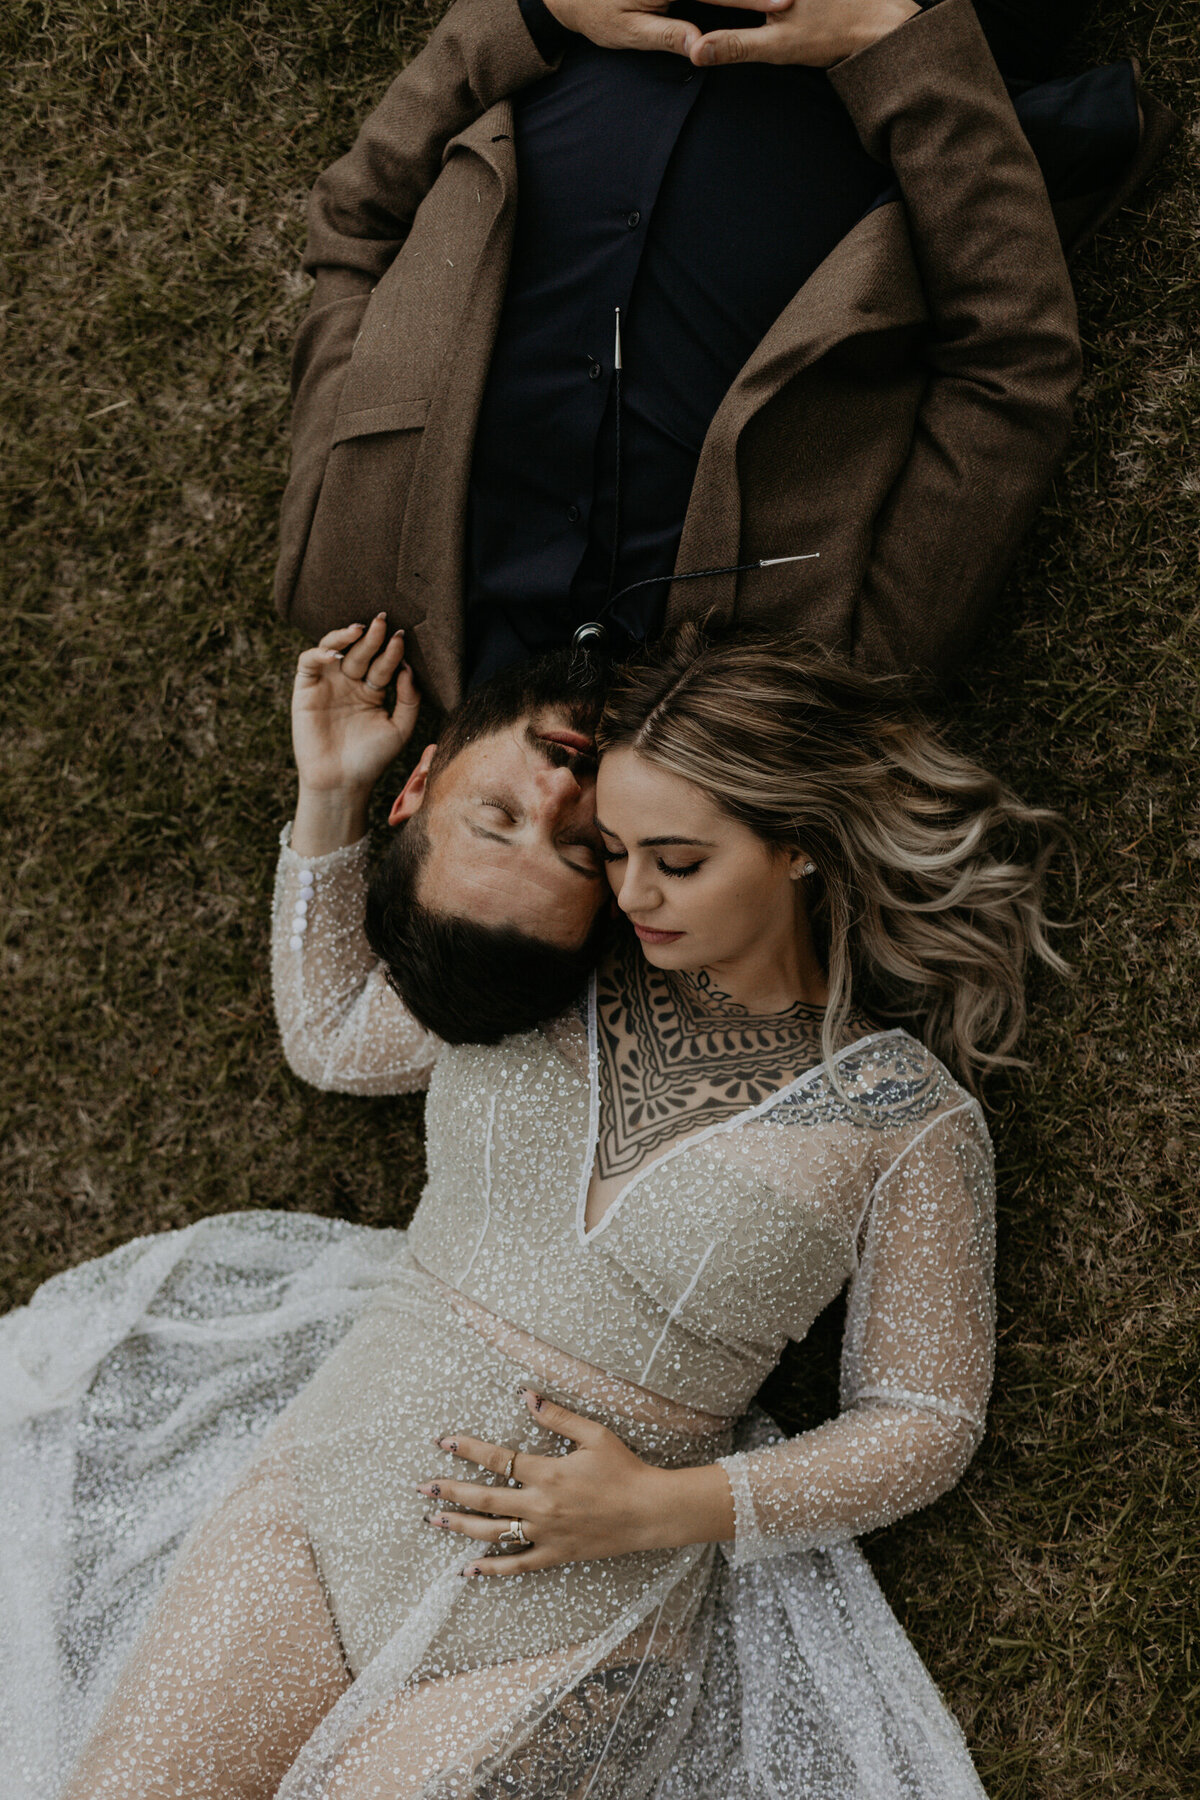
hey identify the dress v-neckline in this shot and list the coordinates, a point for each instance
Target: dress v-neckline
(586, 1233)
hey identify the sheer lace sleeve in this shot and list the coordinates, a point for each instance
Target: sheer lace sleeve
(916, 1360)
(343, 1027)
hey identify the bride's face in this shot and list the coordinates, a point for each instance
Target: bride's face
(700, 889)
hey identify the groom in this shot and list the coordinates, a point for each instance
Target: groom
(900, 417)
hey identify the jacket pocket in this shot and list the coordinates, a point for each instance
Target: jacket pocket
(365, 421)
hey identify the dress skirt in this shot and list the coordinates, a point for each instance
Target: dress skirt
(140, 1389)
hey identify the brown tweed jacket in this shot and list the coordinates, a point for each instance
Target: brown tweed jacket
(902, 416)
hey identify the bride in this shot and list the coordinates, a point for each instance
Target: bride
(516, 1531)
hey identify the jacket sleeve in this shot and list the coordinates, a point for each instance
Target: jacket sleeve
(343, 1028)
(1002, 352)
(360, 212)
(916, 1361)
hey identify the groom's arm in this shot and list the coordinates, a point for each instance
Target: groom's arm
(361, 210)
(1002, 351)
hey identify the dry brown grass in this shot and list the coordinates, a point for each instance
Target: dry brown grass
(156, 163)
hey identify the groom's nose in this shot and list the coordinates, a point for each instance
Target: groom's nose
(556, 789)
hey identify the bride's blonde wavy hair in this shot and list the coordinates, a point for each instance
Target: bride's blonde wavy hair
(927, 901)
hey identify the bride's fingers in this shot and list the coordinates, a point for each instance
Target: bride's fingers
(361, 654)
(342, 638)
(495, 1458)
(467, 1525)
(407, 692)
(384, 666)
(524, 1562)
(561, 1422)
(472, 1494)
(312, 664)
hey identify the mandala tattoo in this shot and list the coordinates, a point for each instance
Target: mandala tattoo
(676, 1055)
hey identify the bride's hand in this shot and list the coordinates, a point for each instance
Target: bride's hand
(344, 733)
(600, 1499)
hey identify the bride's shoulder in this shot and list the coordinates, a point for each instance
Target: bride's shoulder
(887, 1078)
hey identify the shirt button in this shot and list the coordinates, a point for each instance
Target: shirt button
(594, 371)
(573, 514)
(633, 220)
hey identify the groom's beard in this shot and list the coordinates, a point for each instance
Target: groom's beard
(572, 680)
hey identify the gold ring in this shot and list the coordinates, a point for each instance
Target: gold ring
(513, 1537)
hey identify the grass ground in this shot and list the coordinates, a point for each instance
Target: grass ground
(156, 162)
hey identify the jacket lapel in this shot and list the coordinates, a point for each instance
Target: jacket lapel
(431, 543)
(868, 283)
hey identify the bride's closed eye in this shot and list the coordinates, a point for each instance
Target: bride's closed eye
(664, 868)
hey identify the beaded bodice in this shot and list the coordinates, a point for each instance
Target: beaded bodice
(713, 1255)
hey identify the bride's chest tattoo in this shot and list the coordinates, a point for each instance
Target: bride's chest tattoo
(676, 1055)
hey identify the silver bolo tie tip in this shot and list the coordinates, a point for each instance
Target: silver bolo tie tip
(591, 636)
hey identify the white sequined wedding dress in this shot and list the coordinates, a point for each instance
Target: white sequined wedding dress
(274, 1378)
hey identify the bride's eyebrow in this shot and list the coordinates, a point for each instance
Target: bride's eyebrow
(654, 843)
(690, 843)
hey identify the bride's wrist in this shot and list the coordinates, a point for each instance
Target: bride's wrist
(328, 819)
(687, 1506)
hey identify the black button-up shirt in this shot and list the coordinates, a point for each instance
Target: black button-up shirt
(698, 202)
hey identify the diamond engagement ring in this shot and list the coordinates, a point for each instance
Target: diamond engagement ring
(507, 1475)
(513, 1537)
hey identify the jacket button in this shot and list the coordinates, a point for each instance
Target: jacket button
(594, 371)
(573, 514)
(633, 219)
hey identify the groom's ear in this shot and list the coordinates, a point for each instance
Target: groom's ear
(411, 797)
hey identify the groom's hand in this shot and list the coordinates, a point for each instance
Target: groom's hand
(814, 33)
(346, 730)
(640, 24)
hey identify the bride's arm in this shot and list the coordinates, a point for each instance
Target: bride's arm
(916, 1364)
(341, 1025)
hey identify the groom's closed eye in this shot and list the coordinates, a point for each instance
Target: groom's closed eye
(587, 866)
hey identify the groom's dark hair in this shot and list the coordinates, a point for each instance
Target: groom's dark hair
(470, 983)
(467, 983)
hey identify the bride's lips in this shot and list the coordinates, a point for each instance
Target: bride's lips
(656, 937)
(570, 740)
